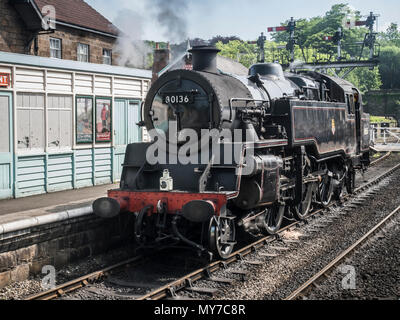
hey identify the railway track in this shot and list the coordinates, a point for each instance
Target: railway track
(313, 281)
(186, 282)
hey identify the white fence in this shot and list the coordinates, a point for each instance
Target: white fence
(385, 138)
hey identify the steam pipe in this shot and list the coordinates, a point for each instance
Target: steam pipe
(182, 238)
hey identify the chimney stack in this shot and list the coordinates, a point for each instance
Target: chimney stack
(204, 58)
(162, 58)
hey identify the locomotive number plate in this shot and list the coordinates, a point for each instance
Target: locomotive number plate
(178, 98)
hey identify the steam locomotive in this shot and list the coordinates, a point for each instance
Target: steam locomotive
(287, 142)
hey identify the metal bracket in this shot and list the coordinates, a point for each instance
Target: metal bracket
(204, 176)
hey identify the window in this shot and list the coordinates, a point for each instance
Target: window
(107, 56)
(350, 104)
(59, 109)
(83, 52)
(55, 48)
(30, 117)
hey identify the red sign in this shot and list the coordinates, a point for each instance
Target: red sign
(277, 29)
(361, 23)
(4, 79)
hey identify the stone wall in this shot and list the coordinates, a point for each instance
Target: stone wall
(70, 39)
(13, 35)
(25, 252)
(383, 103)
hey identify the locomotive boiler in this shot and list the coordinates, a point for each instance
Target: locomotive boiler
(231, 152)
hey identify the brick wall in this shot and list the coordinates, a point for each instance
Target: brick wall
(13, 36)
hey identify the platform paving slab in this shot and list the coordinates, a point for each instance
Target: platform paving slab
(43, 205)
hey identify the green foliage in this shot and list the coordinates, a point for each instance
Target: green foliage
(390, 66)
(391, 36)
(240, 51)
(365, 79)
(310, 34)
(312, 48)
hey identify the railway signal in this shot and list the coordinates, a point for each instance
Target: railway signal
(261, 47)
(291, 28)
(337, 40)
(370, 37)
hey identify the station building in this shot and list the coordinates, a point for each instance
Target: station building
(66, 116)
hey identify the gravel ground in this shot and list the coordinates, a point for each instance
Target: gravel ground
(376, 268)
(135, 281)
(325, 238)
(22, 289)
(165, 268)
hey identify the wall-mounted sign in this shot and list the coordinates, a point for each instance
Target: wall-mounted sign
(84, 120)
(4, 79)
(103, 120)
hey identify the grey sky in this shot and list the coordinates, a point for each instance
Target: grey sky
(246, 19)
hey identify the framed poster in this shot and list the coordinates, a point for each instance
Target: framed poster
(84, 119)
(103, 119)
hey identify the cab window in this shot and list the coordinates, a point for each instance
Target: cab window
(350, 103)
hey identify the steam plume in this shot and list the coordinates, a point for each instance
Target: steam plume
(171, 16)
(130, 48)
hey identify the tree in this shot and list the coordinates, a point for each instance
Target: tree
(365, 79)
(310, 34)
(240, 51)
(391, 36)
(389, 67)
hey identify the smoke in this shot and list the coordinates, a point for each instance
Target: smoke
(131, 50)
(171, 15)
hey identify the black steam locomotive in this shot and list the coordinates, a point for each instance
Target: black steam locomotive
(287, 142)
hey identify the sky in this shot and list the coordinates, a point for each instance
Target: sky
(243, 18)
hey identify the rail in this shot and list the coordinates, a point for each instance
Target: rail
(346, 253)
(199, 274)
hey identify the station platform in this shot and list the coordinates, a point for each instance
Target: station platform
(386, 147)
(45, 204)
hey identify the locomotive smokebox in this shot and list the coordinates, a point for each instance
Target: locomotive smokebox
(204, 58)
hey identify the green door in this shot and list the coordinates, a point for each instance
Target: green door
(126, 116)
(6, 147)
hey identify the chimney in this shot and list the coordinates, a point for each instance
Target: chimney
(205, 58)
(162, 58)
